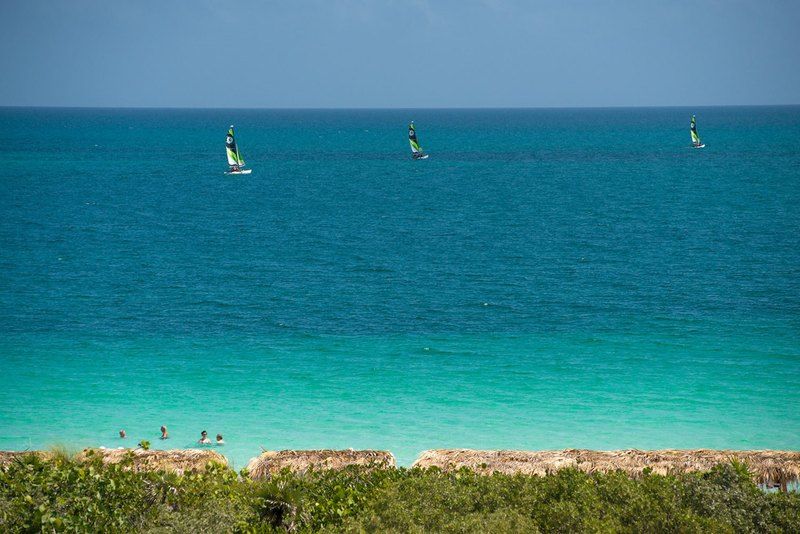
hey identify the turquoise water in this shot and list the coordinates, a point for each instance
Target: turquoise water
(547, 279)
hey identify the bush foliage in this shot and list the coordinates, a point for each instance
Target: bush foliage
(61, 494)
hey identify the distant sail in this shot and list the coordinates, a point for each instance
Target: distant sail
(693, 130)
(412, 140)
(232, 150)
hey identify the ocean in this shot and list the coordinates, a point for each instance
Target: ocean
(547, 279)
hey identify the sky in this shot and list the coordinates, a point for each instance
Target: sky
(398, 53)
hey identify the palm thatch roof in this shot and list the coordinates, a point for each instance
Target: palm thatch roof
(768, 467)
(271, 462)
(176, 460)
(7, 457)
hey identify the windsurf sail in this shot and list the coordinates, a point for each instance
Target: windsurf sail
(232, 150)
(693, 130)
(416, 150)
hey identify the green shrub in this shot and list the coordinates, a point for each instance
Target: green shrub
(64, 495)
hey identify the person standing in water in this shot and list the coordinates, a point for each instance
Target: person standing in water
(164, 434)
(220, 441)
(122, 434)
(204, 438)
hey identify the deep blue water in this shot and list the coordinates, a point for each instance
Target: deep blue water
(547, 279)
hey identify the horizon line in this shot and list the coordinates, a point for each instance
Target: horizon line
(432, 108)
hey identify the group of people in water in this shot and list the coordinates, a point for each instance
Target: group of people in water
(204, 439)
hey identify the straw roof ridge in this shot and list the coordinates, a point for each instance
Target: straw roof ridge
(174, 460)
(8, 457)
(766, 466)
(269, 463)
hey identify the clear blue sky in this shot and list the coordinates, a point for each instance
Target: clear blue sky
(399, 53)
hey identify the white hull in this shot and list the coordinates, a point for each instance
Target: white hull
(698, 146)
(243, 171)
(425, 156)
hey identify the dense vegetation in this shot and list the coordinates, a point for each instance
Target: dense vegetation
(64, 495)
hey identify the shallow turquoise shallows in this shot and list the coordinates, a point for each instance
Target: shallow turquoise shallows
(547, 279)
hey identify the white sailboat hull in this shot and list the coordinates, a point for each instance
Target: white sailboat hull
(243, 171)
(698, 146)
(424, 156)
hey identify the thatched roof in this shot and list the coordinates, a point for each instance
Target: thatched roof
(175, 460)
(6, 457)
(270, 462)
(768, 467)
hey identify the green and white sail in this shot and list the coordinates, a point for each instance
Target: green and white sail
(693, 130)
(412, 140)
(232, 150)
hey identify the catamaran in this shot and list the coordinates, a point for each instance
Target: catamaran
(234, 159)
(416, 150)
(695, 137)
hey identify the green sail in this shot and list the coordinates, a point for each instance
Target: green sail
(232, 150)
(693, 130)
(412, 140)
